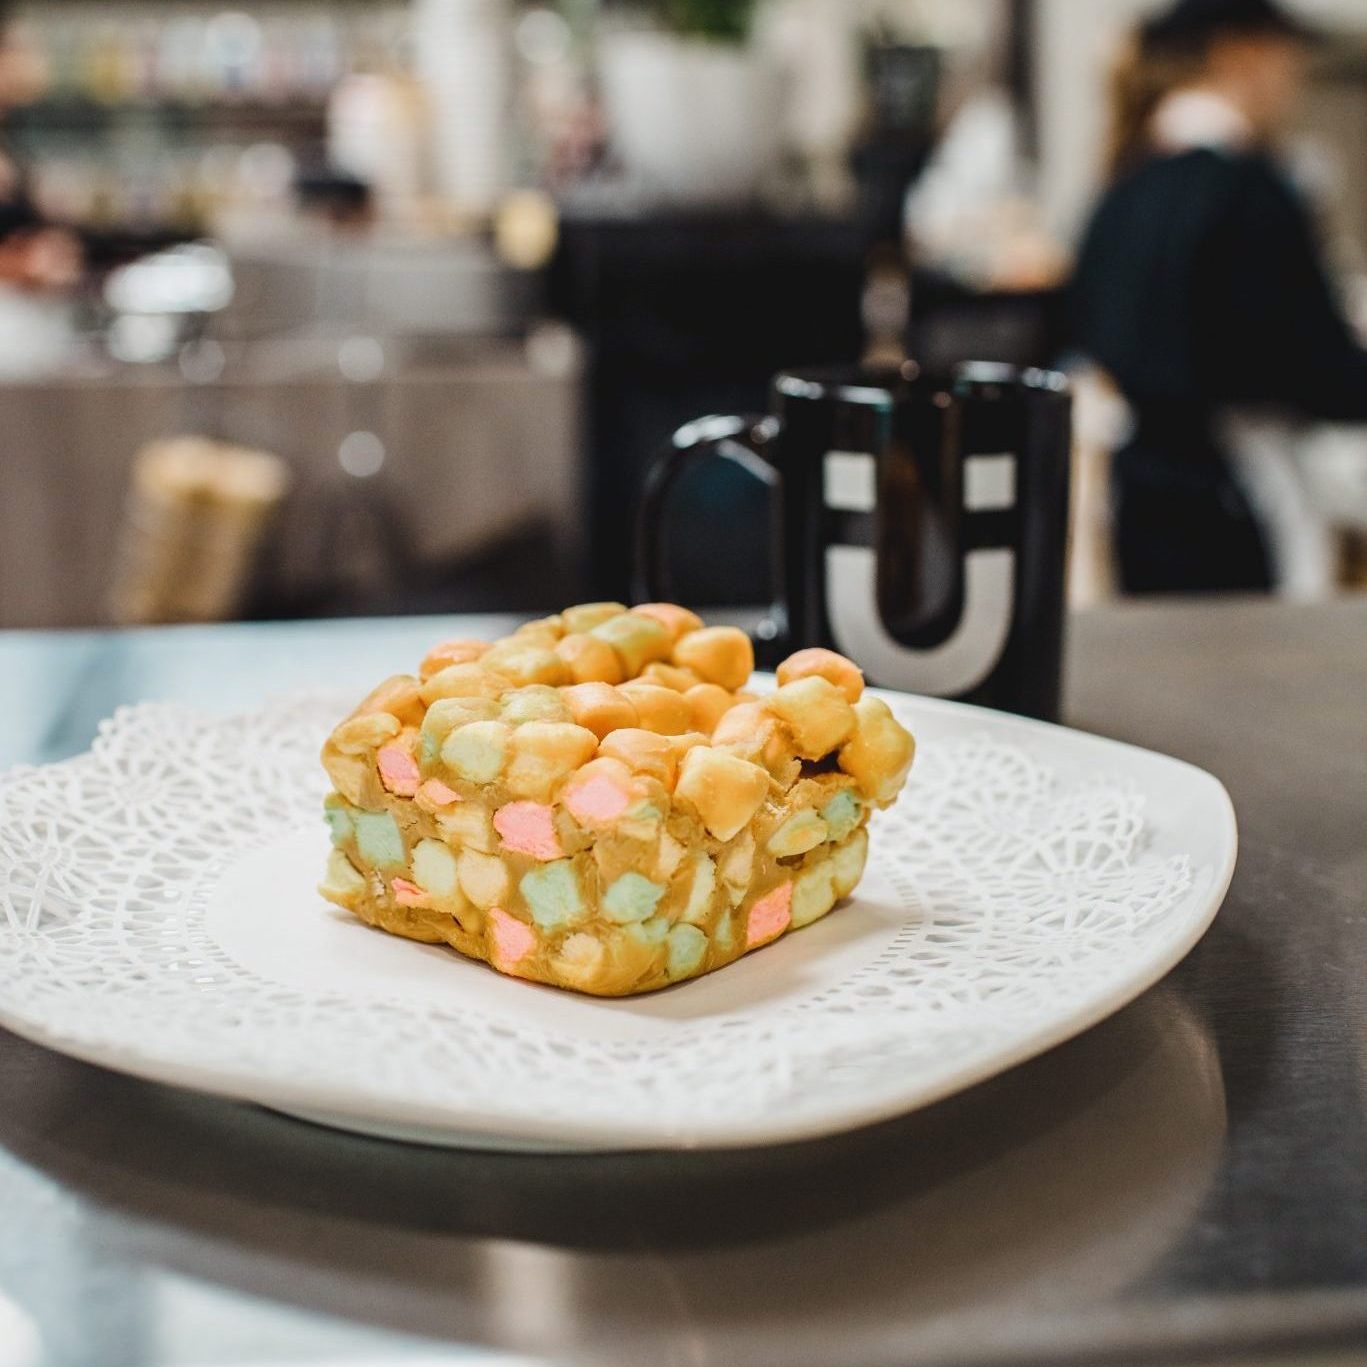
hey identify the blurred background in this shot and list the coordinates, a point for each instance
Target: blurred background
(329, 307)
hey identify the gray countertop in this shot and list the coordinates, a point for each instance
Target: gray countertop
(1186, 1182)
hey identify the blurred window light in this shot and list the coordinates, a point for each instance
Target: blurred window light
(20, 1344)
(361, 454)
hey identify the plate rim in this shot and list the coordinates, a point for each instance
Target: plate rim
(416, 1123)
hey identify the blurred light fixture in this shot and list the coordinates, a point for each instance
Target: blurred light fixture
(361, 454)
(527, 229)
(143, 338)
(542, 36)
(195, 278)
(552, 350)
(361, 360)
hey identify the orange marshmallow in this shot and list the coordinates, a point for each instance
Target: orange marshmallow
(451, 653)
(600, 708)
(670, 676)
(661, 710)
(672, 617)
(719, 655)
(708, 703)
(643, 752)
(400, 696)
(825, 664)
(590, 660)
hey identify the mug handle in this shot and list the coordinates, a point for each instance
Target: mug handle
(749, 442)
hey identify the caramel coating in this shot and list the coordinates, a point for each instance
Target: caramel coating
(643, 752)
(583, 619)
(598, 802)
(752, 732)
(601, 708)
(400, 696)
(637, 640)
(880, 753)
(816, 714)
(661, 710)
(675, 620)
(709, 703)
(463, 681)
(523, 664)
(590, 660)
(451, 653)
(719, 655)
(544, 631)
(690, 740)
(670, 676)
(824, 664)
(544, 754)
(724, 790)
(367, 732)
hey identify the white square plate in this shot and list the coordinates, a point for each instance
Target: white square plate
(158, 916)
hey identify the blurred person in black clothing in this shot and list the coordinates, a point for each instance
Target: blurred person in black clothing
(1201, 288)
(33, 254)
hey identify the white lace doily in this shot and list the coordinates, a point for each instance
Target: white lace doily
(157, 914)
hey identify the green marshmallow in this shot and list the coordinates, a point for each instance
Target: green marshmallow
(379, 840)
(652, 933)
(339, 821)
(842, 814)
(632, 897)
(552, 893)
(687, 946)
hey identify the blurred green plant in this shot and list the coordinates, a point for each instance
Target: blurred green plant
(725, 21)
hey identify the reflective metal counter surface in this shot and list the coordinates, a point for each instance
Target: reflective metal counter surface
(1186, 1182)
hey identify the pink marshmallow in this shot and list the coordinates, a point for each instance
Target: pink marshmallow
(435, 792)
(770, 916)
(513, 940)
(529, 828)
(408, 894)
(598, 801)
(399, 771)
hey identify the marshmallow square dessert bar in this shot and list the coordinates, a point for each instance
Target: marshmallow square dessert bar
(596, 803)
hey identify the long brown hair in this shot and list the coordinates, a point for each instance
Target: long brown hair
(1143, 75)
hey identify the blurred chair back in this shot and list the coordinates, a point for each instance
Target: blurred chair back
(196, 516)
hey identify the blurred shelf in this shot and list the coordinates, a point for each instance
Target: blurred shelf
(74, 115)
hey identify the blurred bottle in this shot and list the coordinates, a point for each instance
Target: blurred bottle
(464, 61)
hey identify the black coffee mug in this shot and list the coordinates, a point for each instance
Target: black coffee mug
(922, 524)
